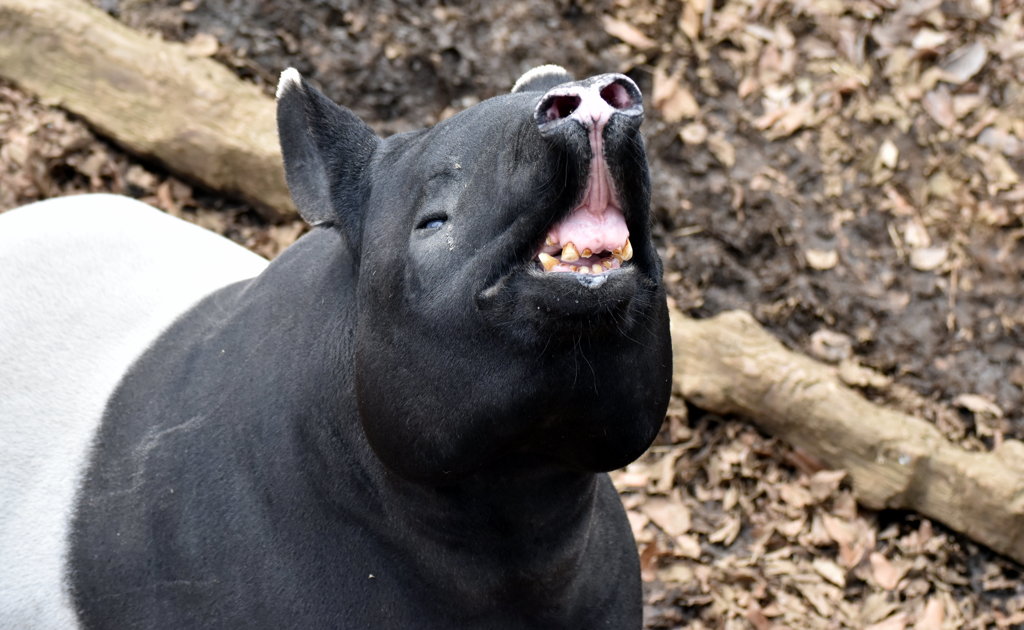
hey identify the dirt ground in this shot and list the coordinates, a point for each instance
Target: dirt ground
(848, 172)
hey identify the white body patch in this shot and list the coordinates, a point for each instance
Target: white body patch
(86, 284)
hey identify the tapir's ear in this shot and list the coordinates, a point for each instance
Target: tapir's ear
(542, 79)
(326, 152)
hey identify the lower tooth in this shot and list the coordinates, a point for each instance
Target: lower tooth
(596, 268)
(548, 262)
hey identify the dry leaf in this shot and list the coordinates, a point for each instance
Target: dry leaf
(933, 615)
(830, 571)
(671, 98)
(687, 546)
(722, 149)
(888, 155)
(964, 62)
(885, 573)
(693, 133)
(788, 120)
(727, 533)
(929, 258)
(928, 39)
(978, 405)
(822, 259)
(202, 45)
(915, 235)
(824, 482)
(627, 33)
(672, 517)
(939, 105)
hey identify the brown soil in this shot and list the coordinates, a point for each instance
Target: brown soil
(848, 172)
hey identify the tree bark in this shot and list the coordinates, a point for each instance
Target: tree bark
(729, 364)
(150, 96)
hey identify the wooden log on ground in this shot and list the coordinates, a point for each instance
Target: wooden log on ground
(730, 364)
(150, 96)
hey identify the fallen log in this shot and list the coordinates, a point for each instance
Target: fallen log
(203, 122)
(150, 96)
(729, 364)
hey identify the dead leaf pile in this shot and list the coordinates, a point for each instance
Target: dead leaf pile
(736, 531)
(855, 165)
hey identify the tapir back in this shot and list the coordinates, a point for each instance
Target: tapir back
(86, 284)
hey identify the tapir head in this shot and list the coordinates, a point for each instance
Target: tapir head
(509, 298)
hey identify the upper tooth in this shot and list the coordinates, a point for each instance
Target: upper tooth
(625, 252)
(548, 262)
(587, 253)
(569, 253)
(550, 240)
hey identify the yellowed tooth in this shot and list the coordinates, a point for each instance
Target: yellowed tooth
(550, 241)
(569, 253)
(587, 253)
(548, 262)
(574, 268)
(596, 268)
(607, 263)
(627, 250)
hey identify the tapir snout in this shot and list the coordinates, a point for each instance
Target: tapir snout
(592, 103)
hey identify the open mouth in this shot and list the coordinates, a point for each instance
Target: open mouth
(556, 256)
(593, 238)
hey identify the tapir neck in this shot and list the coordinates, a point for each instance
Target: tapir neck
(523, 513)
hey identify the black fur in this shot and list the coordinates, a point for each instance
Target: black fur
(397, 425)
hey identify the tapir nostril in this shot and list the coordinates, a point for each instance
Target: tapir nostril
(616, 95)
(561, 106)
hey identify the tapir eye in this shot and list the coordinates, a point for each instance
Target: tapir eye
(432, 223)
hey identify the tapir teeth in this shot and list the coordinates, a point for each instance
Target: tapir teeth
(548, 262)
(625, 252)
(596, 268)
(569, 253)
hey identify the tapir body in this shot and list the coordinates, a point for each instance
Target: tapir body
(401, 422)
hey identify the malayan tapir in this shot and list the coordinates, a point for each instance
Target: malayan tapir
(401, 422)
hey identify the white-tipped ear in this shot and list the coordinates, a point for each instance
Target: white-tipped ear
(542, 77)
(290, 78)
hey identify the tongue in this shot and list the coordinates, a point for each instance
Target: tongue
(597, 223)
